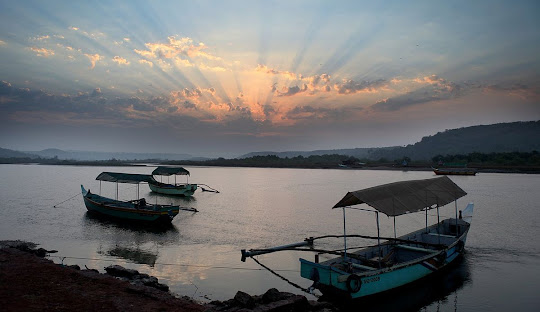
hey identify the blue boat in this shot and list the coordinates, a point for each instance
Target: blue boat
(181, 189)
(394, 261)
(133, 210)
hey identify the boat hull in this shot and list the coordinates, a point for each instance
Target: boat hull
(330, 279)
(128, 210)
(169, 189)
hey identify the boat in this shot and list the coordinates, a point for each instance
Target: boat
(181, 189)
(133, 210)
(394, 261)
(455, 171)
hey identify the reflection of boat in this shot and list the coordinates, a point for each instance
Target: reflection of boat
(400, 260)
(134, 254)
(135, 210)
(454, 171)
(182, 189)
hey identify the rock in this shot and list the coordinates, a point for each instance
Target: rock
(40, 252)
(244, 300)
(119, 271)
(293, 303)
(74, 266)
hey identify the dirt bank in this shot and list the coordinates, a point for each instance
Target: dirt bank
(31, 283)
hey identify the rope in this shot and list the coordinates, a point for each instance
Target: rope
(78, 193)
(306, 290)
(175, 264)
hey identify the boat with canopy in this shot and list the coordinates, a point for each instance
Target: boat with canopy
(181, 189)
(394, 261)
(136, 210)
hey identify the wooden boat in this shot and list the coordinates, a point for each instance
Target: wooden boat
(181, 189)
(455, 171)
(135, 210)
(399, 260)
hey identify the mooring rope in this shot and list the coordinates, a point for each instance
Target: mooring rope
(166, 264)
(306, 290)
(78, 193)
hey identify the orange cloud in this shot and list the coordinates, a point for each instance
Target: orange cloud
(42, 51)
(271, 71)
(93, 59)
(146, 62)
(120, 60)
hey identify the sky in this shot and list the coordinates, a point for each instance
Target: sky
(223, 78)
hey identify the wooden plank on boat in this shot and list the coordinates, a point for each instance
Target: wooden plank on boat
(416, 249)
(441, 235)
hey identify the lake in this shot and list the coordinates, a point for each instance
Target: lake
(199, 255)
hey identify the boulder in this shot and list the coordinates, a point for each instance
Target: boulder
(244, 300)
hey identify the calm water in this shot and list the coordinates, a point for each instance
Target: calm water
(199, 255)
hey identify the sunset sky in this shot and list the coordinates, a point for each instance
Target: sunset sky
(222, 78)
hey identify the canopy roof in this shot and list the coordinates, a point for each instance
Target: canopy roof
(399, 198)
(124, 177)
(167, 171)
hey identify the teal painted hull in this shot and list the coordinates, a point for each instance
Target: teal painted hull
(373, 281)
(169, 189)
(128, 210)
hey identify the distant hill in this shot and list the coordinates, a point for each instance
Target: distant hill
(496, 138)
(88, 155)
(7, 153)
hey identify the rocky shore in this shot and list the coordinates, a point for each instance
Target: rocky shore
(30, 282)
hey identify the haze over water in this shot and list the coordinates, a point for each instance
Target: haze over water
(199, 256)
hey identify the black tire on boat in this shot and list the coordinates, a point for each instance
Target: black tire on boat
(354, 283)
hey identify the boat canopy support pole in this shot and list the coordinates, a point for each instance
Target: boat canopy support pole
(378, 239)
(116, 190)
(438, 224)
(344, 237)
(100, 188)
(455, 205)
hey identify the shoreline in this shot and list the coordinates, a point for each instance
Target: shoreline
(31, 282)
(387, 167)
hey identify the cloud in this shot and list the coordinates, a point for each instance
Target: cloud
(265, 69)
(120, 60)
(349, 86)
(436, 90)
(42, 51)
(176, 48)
(292, 90)
(146, 63)
(73, 28)
(94, 58)
(41, 38)
(2, 42)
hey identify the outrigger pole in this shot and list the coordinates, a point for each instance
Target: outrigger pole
(255, 252)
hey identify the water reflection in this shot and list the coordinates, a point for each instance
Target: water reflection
(136, 255)
(97, 221)
(440, 290)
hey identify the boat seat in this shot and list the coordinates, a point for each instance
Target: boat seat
(441, 235)
(363, 267)
(420, 249)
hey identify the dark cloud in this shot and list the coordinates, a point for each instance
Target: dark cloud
(349, 86)
(430, 93)
(293, 90)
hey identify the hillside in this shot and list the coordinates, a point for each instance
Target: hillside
(497, 138)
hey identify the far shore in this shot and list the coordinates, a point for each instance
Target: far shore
(239, 164)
